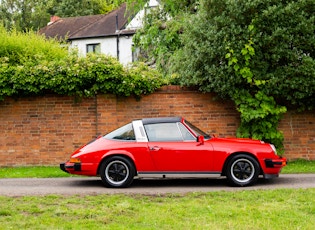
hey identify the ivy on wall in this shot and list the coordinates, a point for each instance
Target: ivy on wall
(260, 114)
(260, 54)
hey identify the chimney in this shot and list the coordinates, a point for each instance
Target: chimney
(53, 18)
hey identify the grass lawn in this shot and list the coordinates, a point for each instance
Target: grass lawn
(261, 209)
(264, 209)
(32, 172)
(300, 166)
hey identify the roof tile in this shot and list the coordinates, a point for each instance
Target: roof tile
(87, 26)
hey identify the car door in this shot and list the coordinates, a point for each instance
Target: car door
(174, 149)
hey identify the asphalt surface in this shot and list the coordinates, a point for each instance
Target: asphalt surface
(94, 186)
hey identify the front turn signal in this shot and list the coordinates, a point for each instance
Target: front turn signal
(75, 160)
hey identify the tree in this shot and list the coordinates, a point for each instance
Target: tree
(72, 8)
(24, 15)
(258, 53)
(160, 36)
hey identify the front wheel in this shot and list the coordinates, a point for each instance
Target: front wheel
(242, 170)
(117, 172)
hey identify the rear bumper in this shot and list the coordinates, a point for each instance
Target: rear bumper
(66, 167)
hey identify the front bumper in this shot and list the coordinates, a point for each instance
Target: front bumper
(66, 167)
(273, 167)
(275, 163)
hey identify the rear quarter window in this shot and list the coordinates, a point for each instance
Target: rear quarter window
(124, 133)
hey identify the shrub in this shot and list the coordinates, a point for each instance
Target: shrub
(31, 65)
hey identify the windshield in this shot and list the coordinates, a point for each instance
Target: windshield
(196, 130)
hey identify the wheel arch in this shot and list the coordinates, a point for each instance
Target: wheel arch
(114, 155)
(239, 153)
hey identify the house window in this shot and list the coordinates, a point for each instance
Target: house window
(93, 48)
(135, 53)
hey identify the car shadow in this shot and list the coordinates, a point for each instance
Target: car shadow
(164, 183)
(179, 182)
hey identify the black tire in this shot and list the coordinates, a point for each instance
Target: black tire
(242, 170)
(117, 172)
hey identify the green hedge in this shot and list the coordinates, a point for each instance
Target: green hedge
(31, 65)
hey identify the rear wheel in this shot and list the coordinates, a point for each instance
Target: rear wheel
(242, 170)
(117, 172)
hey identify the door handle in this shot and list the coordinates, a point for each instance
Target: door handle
(155, 148)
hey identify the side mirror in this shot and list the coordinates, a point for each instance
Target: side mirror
(201, 140)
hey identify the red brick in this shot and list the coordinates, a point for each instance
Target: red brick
(45, 130)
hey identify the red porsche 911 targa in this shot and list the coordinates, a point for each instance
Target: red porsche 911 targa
(171, 147)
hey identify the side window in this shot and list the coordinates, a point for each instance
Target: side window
(125, 133)
(163, 132)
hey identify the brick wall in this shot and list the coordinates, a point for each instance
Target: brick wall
(299, 134)
(45, 130)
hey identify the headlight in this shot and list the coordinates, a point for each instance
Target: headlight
(273, 148)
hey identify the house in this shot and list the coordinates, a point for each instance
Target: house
(109, 34)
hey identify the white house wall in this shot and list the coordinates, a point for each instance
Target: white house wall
(108, 46)
(125, 49)
(137, 21)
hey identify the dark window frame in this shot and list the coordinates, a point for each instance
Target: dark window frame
(94, 47)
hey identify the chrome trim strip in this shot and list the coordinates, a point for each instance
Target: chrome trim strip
(179, 174)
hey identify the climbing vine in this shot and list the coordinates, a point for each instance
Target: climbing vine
(260, 114)
(260, 54)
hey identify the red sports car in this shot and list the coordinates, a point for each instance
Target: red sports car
(171, 147)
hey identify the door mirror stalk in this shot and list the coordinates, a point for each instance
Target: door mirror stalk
(201, 140)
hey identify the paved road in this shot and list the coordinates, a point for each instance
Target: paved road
(93, 185)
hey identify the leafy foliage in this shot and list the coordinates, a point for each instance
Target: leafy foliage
(30, 65)
(72, 8)
(281, 34)
(25, 15)
(19, 47)
(163, 39)
(160, 37)
(260, 113)
(258, 53)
